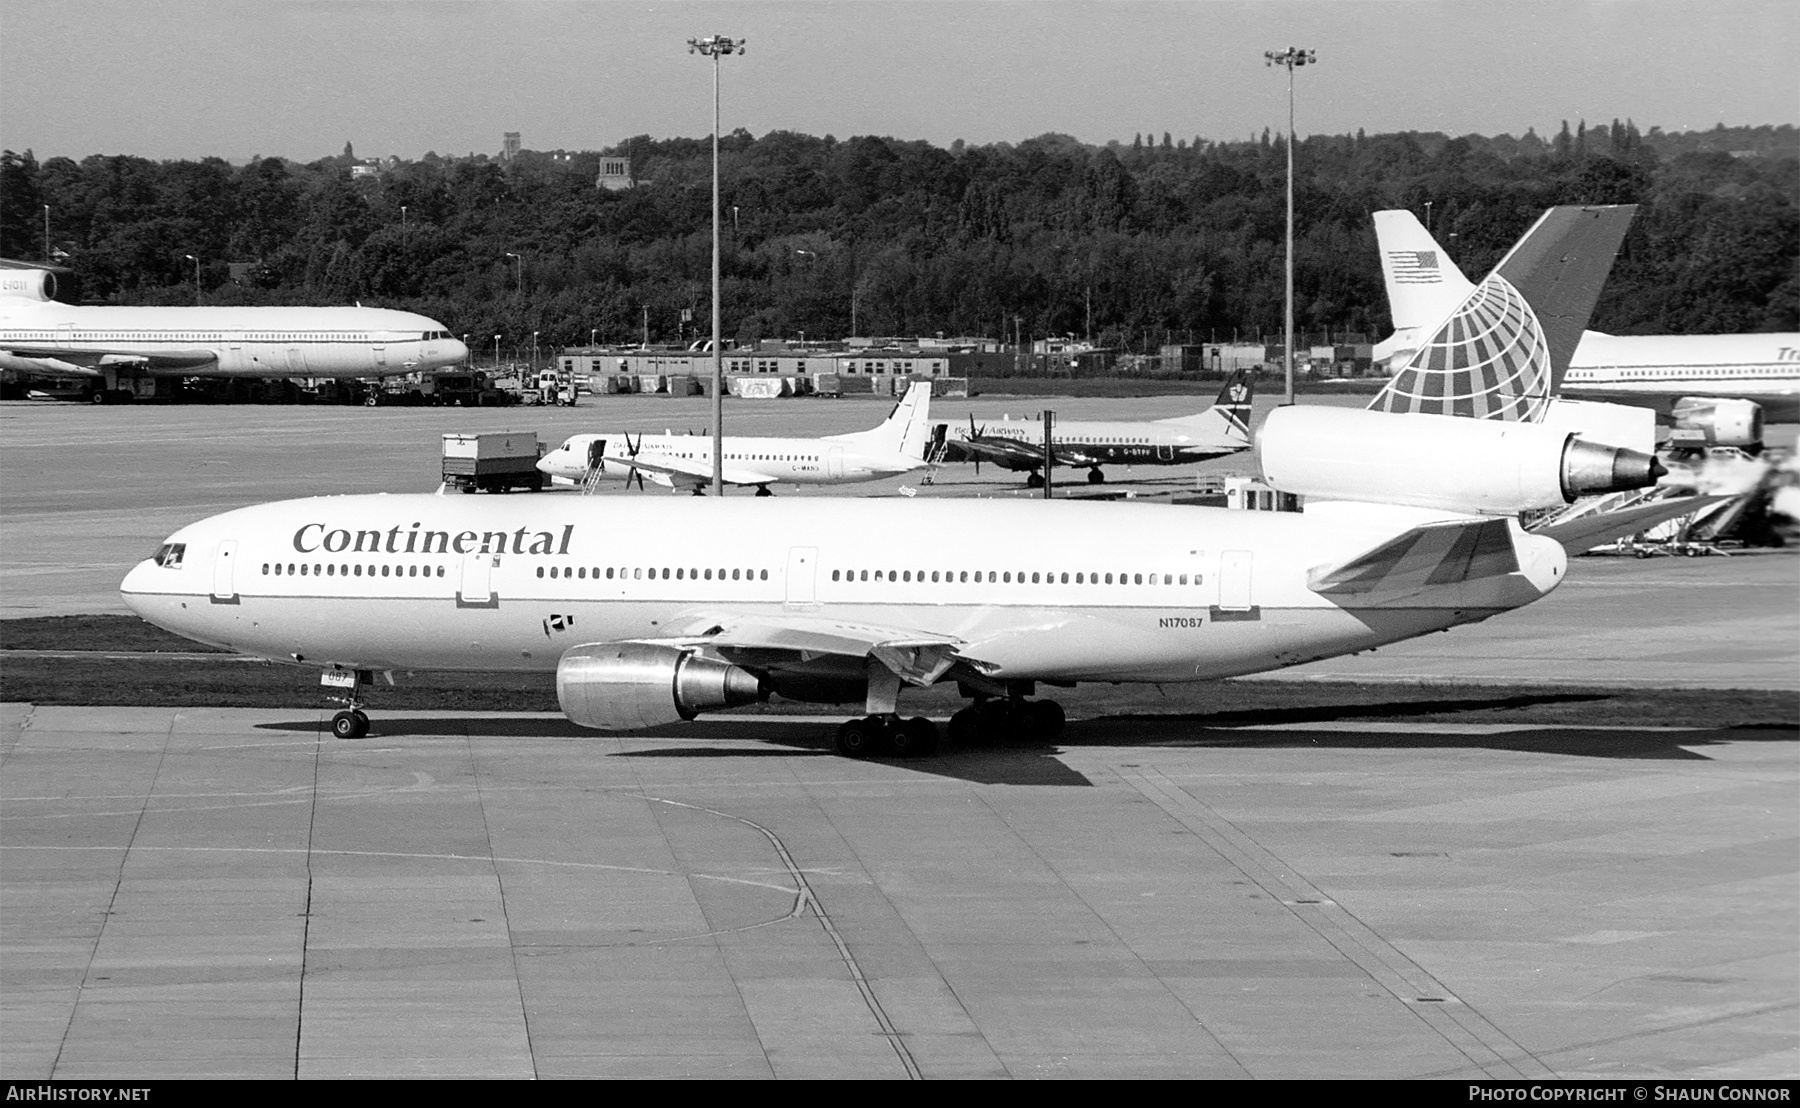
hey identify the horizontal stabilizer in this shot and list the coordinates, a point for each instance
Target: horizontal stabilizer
(1431, 555)
(1585, 532)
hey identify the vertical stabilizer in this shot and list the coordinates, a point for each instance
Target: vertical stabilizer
(1423, 284)
(905, 429)
(1560, 267)
(1501, 352)
(1230, 413)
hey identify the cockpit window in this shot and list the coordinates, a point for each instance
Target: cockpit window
(170, 554)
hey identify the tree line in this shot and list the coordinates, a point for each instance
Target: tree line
(1132, 244)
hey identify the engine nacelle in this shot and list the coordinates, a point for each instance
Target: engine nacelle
(1486, 466)
(626, 686)
(1714, 421)
(28, 284)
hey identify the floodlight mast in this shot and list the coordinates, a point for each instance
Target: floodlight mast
(713, 47)
(1291, 58)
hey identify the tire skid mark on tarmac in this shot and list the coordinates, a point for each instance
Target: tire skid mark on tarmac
(805, 899)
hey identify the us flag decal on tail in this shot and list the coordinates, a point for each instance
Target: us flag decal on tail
(1414, 267)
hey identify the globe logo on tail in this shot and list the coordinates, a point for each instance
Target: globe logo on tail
(1489, 360)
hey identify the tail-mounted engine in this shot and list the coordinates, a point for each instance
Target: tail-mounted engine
(625, 686)
(1493, 467)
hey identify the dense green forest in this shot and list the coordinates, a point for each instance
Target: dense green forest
(1140, 242)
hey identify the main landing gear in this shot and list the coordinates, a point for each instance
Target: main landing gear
(1009, 719)
(871, 736)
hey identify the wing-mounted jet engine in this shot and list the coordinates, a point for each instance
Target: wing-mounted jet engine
(618, 686)
(1702, 421)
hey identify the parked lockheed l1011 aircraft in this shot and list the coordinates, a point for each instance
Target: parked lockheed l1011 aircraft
(652, 610)
(122, 348)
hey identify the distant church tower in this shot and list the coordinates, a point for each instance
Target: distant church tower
(615, 173)
(509, 142)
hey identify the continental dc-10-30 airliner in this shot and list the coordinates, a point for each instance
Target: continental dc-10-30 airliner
(653, 610)
(116, 346)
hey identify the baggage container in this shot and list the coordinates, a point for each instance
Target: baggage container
(493, 462)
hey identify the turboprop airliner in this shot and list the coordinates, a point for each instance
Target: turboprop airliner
(113, 345)
(895, 447)
(1706, 381)
(1222, 429)
(651, 611)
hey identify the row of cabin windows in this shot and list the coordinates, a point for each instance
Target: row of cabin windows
(214, 336)
(334, 569)
(640, 573)
(959, 577)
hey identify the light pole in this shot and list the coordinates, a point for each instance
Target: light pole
(466, 353)
(713, 47)
(1290, 58)
(592, 331)
(496, 353)
(196, 262)
(534, 335)
(1428, 217)
(46, 234)
(520, 262)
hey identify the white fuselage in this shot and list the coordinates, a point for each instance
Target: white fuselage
(793, 460)
(48, 337)
(1657, 370)
(1035, 590)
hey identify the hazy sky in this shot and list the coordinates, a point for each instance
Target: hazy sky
(299, 78)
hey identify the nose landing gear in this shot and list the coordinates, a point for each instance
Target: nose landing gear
(346, 688)
(350, 724)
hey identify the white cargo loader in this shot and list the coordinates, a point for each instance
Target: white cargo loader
(494, 462)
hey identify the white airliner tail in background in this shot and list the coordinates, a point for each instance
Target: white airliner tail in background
(903, 432)
(1229, 417)
(1423, 284)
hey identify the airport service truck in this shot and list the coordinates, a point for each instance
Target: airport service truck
(498, 462)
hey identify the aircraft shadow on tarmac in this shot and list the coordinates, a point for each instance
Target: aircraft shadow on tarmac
(1526, 738)
(990, 764)
(1027, 763)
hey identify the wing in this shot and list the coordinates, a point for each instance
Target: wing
(916, 657)
(87, 361)
(688, 471)
(1005, 452)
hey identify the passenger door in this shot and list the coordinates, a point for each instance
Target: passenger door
(800, 566)
(1234, 580)
(224, 589)
(477, 588)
